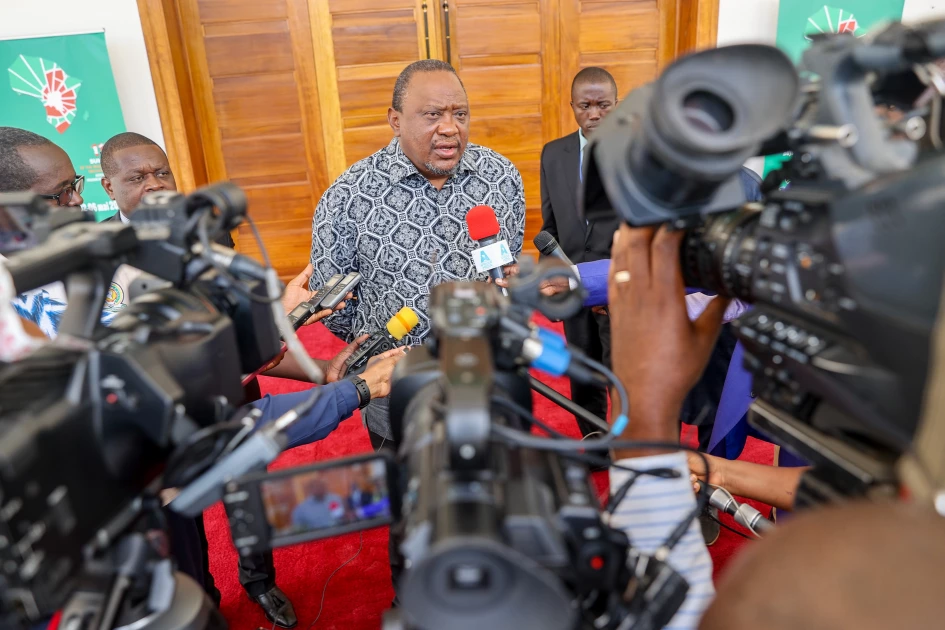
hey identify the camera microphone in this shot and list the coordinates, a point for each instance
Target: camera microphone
(398, 326)
(493, 253)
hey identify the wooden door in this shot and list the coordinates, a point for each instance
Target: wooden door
(360, 48)
(506, 54)
(255, 100)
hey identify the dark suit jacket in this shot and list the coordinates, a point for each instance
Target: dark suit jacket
(560, 180)
(224, 239)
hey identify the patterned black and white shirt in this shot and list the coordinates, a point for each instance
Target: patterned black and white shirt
(384, 219)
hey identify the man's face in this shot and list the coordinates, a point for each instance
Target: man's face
(138, 170)
(317, 489)
(55, 173)
(434, 126)
(590, 102)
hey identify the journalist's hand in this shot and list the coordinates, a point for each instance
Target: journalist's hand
(716, 473)
(336, 366)
(648, 311)
(297, 291)
(509, 271)
(379, 370)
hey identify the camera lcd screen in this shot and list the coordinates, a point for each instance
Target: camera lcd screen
(331, 500)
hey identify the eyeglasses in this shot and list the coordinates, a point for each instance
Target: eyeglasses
(76, 186)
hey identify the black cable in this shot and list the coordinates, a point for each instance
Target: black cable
(527, 440)
(731, 529)
(524, 413)
(624, 399)
(322, 604)
(665, 473)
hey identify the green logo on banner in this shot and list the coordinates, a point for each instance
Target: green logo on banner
(832, 20)
(50, 85)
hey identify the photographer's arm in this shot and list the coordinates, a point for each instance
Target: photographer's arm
(670, 352)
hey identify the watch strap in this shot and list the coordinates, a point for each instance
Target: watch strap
(364, 392)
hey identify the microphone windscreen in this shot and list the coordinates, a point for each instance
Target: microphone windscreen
(481, 223)
(545, 242)
(402, 323)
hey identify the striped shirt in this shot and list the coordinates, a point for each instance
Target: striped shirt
(650, 511)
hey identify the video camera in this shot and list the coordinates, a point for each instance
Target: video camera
(95, 423)
(843, 265)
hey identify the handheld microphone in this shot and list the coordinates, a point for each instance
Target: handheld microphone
(493, 253)
(398, 326)
(546, 244)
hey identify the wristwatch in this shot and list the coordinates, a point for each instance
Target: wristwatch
(364, 392)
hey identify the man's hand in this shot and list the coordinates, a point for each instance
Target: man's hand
(716, 474)
(509, 271)
(297, 291)
(648, 311)
(379, 370)
(336, 366)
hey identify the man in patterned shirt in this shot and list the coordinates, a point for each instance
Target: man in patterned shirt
(398, 216)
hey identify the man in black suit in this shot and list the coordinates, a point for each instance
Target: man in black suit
(133, 166)
(593, 96)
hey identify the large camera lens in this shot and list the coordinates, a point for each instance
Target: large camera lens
(717, 255)
(672, 150)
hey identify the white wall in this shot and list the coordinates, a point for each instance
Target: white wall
(756, 21)
(123, 36)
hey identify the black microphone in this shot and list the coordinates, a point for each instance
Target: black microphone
(548, 246)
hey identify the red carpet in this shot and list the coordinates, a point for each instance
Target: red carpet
(361, 591)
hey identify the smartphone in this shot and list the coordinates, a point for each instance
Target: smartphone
(295, 505)
(304, 311)
(337, 294)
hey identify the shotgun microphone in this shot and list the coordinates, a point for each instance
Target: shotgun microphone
(546, 244)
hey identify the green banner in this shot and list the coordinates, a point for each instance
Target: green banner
(799, 20)
(62, 88)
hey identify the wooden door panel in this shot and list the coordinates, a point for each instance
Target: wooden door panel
(363, 140)
(252, 53)
(241, 11)
(239, 101)
(513, 28)
(376, 37)
(263, 127)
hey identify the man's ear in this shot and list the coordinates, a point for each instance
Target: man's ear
(107, 185)
(393, 119)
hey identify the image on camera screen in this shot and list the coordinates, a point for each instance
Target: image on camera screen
(327, 498)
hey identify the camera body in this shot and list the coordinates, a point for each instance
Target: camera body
(90, 419)
(842, 266)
